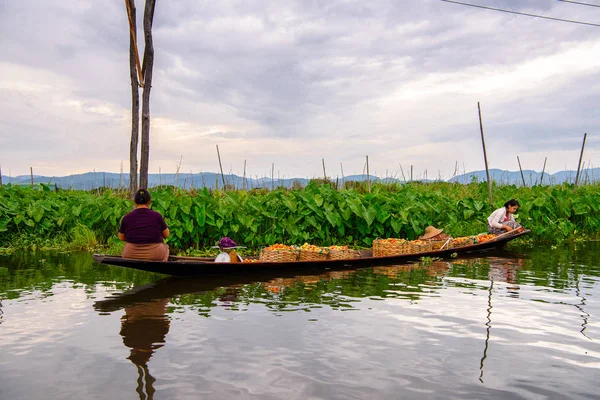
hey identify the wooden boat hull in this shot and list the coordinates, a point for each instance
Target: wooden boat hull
(192, 266)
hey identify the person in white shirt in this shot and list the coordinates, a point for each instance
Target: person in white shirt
(502, 220)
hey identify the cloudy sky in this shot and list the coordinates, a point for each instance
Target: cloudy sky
(291, 83)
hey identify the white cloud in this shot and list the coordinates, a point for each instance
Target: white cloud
(292, 83)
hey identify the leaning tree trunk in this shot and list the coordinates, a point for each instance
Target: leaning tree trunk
(147, 74)
(135, 100)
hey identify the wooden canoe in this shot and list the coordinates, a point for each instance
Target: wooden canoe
(199, 266)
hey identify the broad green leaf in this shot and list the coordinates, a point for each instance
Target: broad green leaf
(200, 213)
(185, 205)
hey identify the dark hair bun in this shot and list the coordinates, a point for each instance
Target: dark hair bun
(142, 196)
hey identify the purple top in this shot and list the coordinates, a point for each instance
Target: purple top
(143, 226)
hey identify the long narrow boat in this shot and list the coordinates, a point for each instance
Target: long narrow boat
(199, 266)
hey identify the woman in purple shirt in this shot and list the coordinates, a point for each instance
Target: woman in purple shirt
(144, 230)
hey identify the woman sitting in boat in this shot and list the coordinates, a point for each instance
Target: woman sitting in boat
(433, 233)
(144, 230)
(502, 220)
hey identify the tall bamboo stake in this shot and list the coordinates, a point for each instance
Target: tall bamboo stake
(272, 174)
(0, 175)
(244, 184)
(543, 169)
(179, 166)
(221, 167)
(455, 171)
(401, 170)
(411, 173)
(580, 157)
(520, 169)
(487, 171)
(342, 169)
(31, 173)
(324, 173)
(368, 176)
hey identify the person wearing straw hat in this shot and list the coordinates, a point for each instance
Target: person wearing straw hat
(433, 233)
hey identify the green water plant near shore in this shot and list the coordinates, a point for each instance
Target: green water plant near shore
(41, 218)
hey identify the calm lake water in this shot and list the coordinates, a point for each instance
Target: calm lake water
(523, 323)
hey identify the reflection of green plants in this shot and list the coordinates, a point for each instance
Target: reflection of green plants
(428, 260)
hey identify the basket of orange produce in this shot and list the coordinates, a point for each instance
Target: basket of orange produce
(390, 247)
(463, 241)
(310, 252)
(279, 253)
(341, 253)
(486, 237)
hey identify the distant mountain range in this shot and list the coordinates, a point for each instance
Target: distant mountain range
(93, 180)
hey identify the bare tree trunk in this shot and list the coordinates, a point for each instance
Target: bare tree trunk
(147, 65)
(135, 99)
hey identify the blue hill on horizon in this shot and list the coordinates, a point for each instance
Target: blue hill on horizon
(210, 180)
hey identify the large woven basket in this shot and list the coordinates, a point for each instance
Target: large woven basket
(437, 244)
(419, 246)
(313, 255)
(384, 247)
(278, 255)
(342, 254)
(463, 241)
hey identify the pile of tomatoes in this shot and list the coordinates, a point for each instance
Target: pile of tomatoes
(484, 238)
(310, 247)
(278, 246)
(338, 247)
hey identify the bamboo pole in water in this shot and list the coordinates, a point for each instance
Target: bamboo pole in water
(520, 169)
(177, 172)
(487, 171)
(244, 183)
(580, 157)
(543, 169)
(402, 171)
(368, 176)
(221, 167)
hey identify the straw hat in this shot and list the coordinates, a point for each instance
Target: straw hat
(430, 232)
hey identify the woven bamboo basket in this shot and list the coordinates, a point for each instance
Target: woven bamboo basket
(383, 247)
(420, 247)
(463, 241)
(278, 255)
(437, 244)
(313, 255)
(341, 254)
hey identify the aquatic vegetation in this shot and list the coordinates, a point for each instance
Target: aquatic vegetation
(319, 214)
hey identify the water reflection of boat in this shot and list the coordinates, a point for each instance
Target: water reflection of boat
(195, 266)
